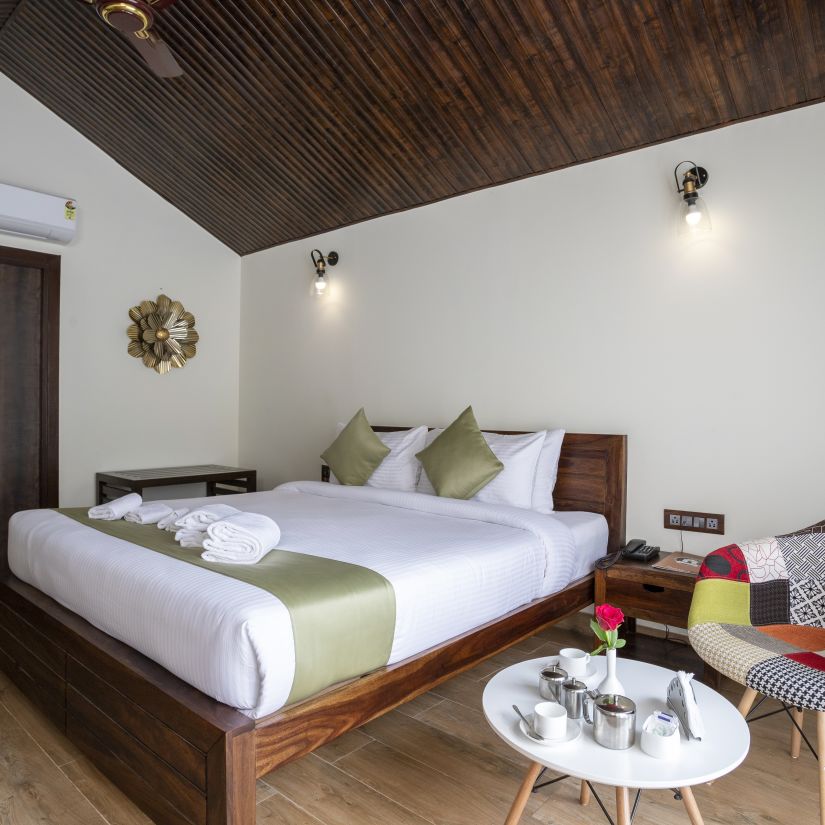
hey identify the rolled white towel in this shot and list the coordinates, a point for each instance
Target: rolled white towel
(150, 513)
(241, 539)
(202, 517)
(190, 538)
(113, 510)
(168, 522)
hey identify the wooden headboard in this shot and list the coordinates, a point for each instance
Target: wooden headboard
(592, 477)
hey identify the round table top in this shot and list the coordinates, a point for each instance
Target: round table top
(724, 746)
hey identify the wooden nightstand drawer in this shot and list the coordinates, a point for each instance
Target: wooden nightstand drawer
(654, 602)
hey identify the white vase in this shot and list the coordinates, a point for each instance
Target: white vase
(611, 684)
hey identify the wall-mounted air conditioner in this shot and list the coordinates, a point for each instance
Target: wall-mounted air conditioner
(35, 215)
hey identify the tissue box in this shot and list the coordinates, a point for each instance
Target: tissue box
(660, 736)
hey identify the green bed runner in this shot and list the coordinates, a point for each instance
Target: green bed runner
(343, 615)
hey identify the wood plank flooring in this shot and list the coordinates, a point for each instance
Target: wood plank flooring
(433, 761)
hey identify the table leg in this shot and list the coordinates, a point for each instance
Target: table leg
(796, 736)
(584, 793)
(622, 806)
(600, 594)
(523, 794)
(691, 807)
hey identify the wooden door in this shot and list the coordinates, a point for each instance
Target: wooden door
(29, 337)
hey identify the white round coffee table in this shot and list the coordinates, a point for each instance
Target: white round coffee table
(722, 749)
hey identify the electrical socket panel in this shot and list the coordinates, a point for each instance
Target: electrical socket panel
(695, 522)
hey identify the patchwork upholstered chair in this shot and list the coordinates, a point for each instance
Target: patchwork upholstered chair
(758, 617)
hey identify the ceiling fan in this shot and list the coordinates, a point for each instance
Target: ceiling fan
(135, 20)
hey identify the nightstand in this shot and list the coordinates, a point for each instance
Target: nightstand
(645, 592)
(642, 591)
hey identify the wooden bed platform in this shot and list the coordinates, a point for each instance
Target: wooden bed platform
(186, 759)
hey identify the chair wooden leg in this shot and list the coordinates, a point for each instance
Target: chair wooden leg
(820, 746)
(584, 793)
(622, 806)
(523, 794)
(796, 736)
(747, 700)
(691, 807)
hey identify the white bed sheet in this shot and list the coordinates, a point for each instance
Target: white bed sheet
(453, 565)
(590, 533)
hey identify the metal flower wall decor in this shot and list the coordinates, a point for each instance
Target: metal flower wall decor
(162, 333)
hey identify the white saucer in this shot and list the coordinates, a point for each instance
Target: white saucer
(574, 729)
(592, 670)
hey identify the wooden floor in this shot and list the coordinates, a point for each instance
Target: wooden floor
(432, 761)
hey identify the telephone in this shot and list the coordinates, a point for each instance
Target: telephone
(638, 550)
(634, 550)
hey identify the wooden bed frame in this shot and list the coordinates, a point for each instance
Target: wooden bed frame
(186, 759)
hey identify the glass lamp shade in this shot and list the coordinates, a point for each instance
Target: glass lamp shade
(321, 285)
(694, 218)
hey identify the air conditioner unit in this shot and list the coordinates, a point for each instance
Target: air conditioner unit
(36, 215)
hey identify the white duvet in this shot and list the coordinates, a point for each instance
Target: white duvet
(453, 565)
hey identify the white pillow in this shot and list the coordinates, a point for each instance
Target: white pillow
(547, 471)
(400, 468)
(514, 484)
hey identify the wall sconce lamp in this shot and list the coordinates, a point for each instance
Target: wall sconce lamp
(694, 218)
(320, 262)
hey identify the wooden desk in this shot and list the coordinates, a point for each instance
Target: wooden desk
(219, 480)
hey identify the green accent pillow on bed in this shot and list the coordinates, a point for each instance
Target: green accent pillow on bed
(357, 451)
(459, 462)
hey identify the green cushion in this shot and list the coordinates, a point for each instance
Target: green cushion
(357, 451)
(459, 462)
(720, 601)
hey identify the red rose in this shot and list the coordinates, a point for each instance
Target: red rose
(609, 617)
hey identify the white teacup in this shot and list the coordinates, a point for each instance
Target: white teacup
(574, 661)
(549, 720)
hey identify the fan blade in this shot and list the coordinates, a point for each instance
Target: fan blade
(158, 56)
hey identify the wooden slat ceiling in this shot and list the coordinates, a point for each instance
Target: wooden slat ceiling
(6, 8)
(296, 117)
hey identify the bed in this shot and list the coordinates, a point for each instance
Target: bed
(185, 757)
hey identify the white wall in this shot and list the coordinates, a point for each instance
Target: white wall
(568, 300)
(131, 245)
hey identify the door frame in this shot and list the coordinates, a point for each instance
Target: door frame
(49, 265)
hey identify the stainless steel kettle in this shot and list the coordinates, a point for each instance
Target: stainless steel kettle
(614, 720)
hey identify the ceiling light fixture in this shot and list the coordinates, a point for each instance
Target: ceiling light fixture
(694, 218)
(320, 262)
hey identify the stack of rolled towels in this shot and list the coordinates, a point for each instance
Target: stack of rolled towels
(149, 513)
(226, 535)
(244, 538)
(117, 509)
